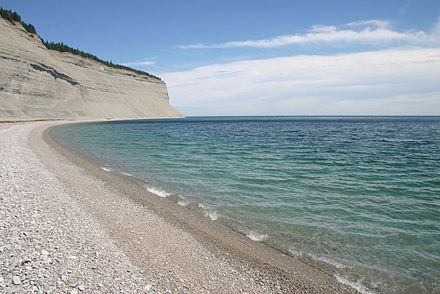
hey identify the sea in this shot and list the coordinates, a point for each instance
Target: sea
(358, 197)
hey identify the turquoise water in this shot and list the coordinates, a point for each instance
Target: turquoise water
(357, 196)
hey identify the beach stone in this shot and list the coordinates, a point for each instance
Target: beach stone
(16, 280)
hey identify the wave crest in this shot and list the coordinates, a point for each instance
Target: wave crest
(254, 236)
(158, 192)
(355, 285)
(106, 169)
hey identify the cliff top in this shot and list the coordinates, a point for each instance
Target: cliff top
(14, 18)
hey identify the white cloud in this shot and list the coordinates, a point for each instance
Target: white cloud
(378, 23)
(143, 62)
(373, 32)
(397, 81)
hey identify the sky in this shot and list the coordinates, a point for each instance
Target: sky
(255, 57)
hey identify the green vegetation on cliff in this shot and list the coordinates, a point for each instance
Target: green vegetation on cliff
(60, 46)
(13, 17)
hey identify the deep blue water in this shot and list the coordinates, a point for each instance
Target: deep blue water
(358, 196)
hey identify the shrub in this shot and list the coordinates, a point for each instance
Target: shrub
(13, 16)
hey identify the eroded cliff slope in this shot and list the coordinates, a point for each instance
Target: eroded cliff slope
(37, 83)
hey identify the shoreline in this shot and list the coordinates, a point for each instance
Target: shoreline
(182, 249)
(194, 209)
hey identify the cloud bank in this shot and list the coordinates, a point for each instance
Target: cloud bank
(143, 62)
(393, 81)
(371, 32)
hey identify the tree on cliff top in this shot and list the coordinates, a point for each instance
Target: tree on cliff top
(13, 16)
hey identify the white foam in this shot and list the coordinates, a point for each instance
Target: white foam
(126, 174)
(212, 214)
(158, 192)
(296, 252)
(355, 285)
(182, 203)
(254, 236)
(317, 258)
(203, 206)
(107, 169)
(328, 261)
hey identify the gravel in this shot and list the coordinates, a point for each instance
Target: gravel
(48, 244)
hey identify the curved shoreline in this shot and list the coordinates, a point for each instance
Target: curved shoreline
(272, 269)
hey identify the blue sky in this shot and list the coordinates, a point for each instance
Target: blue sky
(264, 57)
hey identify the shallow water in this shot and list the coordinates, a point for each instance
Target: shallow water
(359, 196)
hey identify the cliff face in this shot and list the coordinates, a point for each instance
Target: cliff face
(37, 83)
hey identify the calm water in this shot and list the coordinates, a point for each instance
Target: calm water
(359, 197)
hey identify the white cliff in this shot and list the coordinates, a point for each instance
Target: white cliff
(37, 83)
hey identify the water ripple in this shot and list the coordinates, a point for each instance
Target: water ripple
(361, 195)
